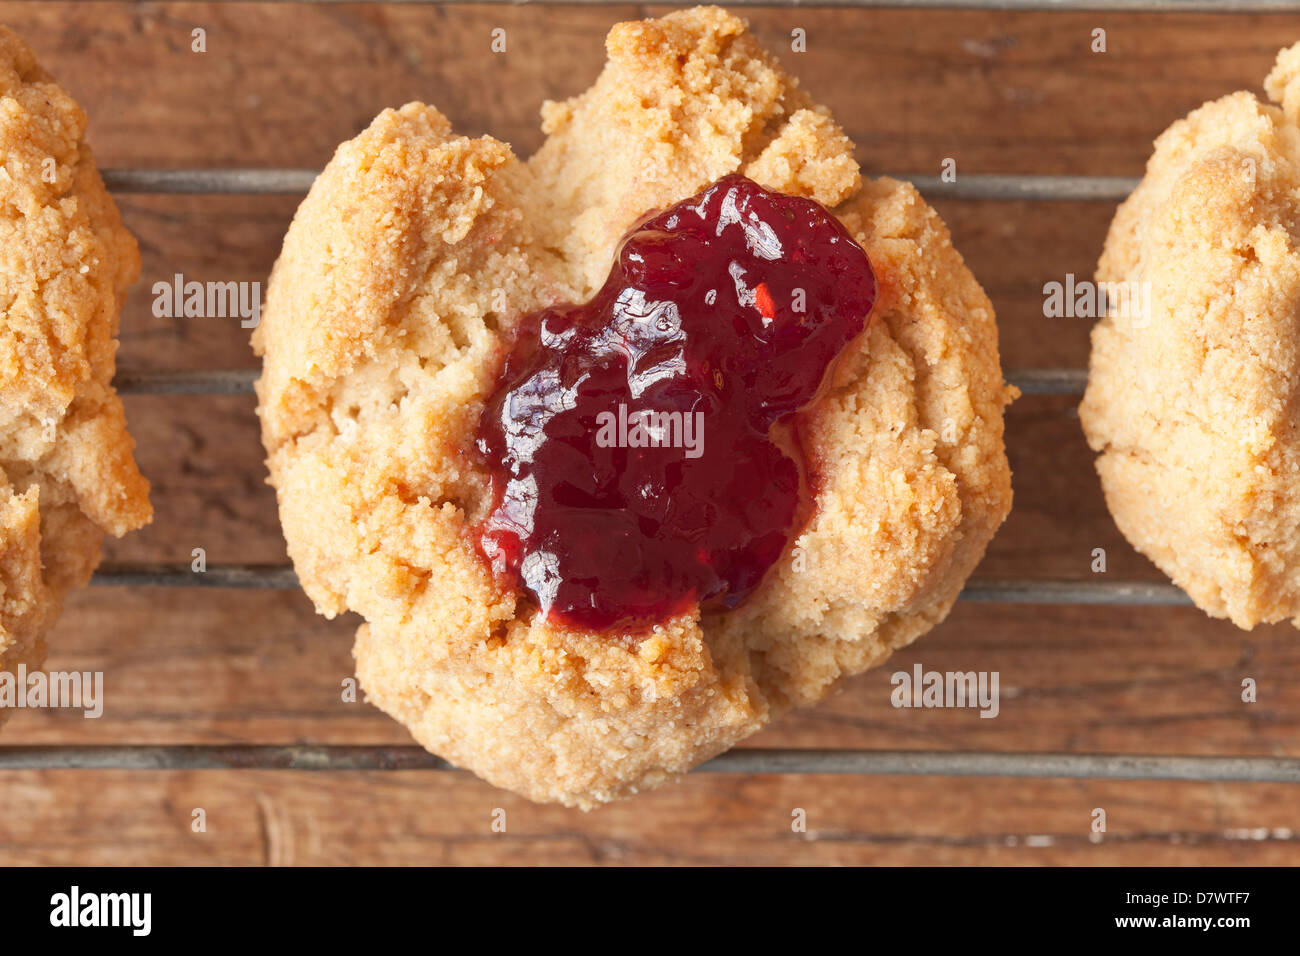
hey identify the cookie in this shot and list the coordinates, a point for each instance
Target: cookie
(67, 474)
(1192, 401)
(402, 280)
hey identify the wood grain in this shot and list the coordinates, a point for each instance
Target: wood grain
(420, 818)
(281, 85)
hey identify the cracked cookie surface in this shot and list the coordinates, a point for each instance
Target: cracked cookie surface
(1193, 406)
(403, 274)
(67, 474)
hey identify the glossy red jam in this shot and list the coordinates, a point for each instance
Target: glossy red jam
(641, 445)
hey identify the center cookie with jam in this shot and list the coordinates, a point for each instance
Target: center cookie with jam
(624, 450)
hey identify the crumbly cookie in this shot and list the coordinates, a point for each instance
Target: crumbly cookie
(1192, 403)
(381, 338)
(67, 473)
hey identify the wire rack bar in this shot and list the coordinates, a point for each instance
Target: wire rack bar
(197, 382)
(266, 577)
(987, 764)
(245, 181)
(985, 590)
(1025, 188)
(298, 181)
(1050, 381)
(1034, 381)
(744, 760)
(1029, 591)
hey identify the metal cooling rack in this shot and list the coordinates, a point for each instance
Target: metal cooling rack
(741, 760)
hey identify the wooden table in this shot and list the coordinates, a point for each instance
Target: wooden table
(279, 86)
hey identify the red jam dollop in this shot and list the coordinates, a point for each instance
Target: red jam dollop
(641, 445)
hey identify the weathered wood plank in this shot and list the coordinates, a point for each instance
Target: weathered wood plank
(998, 91)
(264, 817)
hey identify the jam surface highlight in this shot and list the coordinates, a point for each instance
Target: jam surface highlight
(640, 446)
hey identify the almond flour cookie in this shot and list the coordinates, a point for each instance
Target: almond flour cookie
(1192, 403)
(67, 474)
(402, 281)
